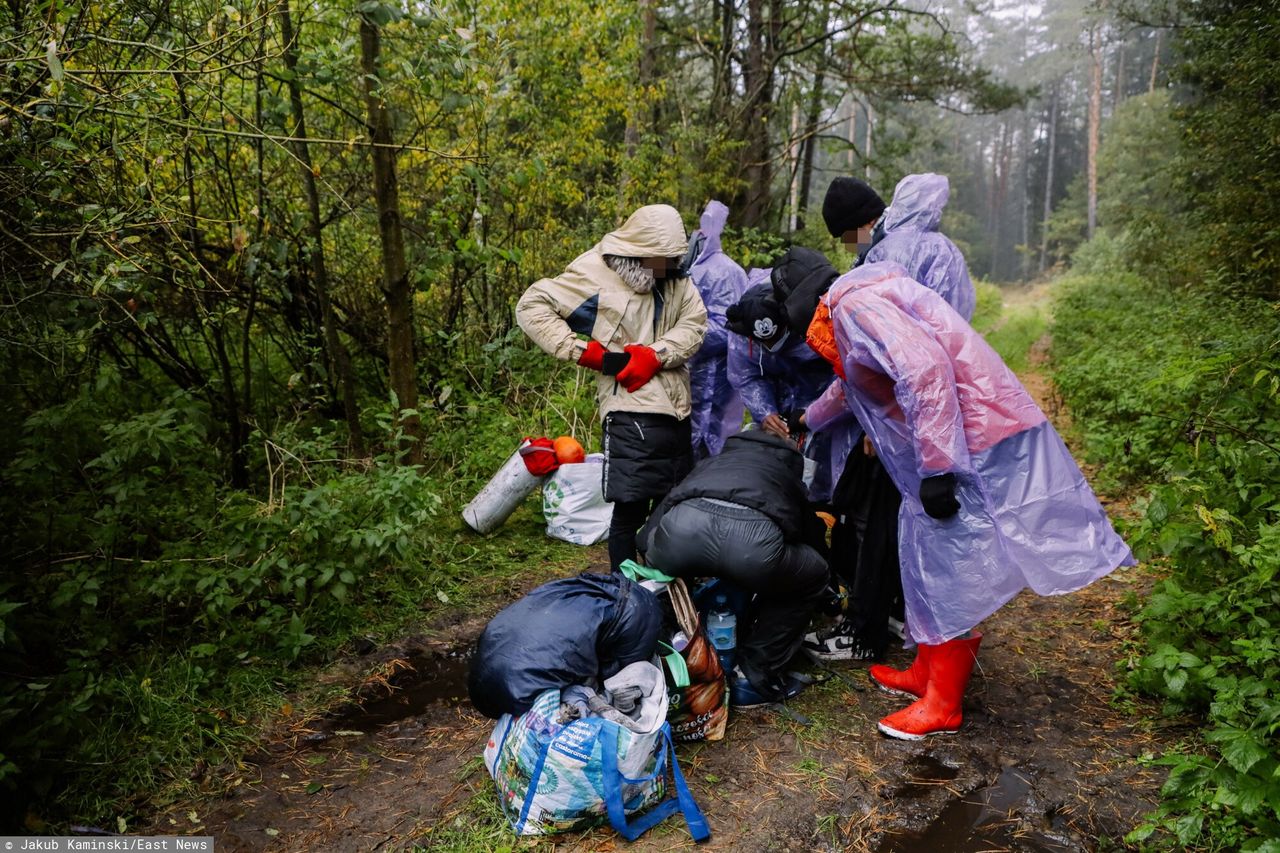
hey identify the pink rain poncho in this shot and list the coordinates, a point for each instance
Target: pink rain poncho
(936, 399)
(717, 408)
(911, 239)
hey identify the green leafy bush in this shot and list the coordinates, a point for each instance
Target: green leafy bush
(1182, 389)
(154, 570)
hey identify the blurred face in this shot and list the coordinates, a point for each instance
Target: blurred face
(860, 239)
(662, 268)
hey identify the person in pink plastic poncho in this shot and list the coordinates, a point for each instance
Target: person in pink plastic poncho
(992, 501)
(864, 542)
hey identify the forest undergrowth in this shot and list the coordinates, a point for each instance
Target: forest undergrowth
(1174, 393)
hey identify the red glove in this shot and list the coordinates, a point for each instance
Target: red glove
(593, 356)
(539, 456)
(642, 367)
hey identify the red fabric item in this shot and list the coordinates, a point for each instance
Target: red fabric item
(938, 711)
(593, 356)
(904, 682)
(642, 367)
(821, 338)
(539, 456)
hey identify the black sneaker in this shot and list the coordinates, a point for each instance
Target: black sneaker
(839, 643)
(743, 694)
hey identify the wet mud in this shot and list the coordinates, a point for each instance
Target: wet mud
(425, 681)
(1044, 762)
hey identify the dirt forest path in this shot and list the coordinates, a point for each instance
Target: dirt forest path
(1045, 762)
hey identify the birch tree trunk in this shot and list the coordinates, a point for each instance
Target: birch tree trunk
(866, 151)
(1155, 62)
(853, 129)
(1118, 95)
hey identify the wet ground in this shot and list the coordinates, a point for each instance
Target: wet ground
(1046, 760)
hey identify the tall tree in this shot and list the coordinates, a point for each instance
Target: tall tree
(337, 358)
(1095, 125)
(1050, 160)
(396, 287)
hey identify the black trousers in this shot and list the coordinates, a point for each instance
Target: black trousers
(645, 455)
(864, 546)
(706, 538)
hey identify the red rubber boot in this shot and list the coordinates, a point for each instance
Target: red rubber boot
(938, 712)
(904, 682)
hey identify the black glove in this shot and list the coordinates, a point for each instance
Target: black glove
(938, 495)
(612, 362)
(793, 422)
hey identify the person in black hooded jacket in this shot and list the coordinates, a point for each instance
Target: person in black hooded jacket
(771, 366)
(742, 516)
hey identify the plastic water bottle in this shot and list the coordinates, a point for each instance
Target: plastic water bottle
(722, 630)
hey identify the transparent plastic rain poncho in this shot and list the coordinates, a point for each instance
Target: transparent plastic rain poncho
(935, 399)
(717, 408)
(776, 382)
(911, 239)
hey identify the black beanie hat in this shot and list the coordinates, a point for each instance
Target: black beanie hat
(849, 205)
(757, 315)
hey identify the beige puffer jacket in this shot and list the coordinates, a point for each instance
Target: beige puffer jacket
(589, 298)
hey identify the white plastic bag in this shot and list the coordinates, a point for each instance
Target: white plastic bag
(574, 505)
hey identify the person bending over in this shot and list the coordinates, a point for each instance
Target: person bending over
(742, 516)
(992, 502)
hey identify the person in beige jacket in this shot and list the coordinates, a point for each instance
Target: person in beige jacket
(626, 309)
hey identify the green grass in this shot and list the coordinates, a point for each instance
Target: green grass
(1011, 331)
(479, 828)
(1014, 338)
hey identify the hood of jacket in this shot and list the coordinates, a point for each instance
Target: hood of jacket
(862, 276)
(759, 441)
(800, 278)
(653, 231)
(710, 227)
(917, 203)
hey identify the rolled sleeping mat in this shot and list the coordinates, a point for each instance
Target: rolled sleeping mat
(493, 505)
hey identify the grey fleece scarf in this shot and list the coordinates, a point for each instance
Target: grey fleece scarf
(630, 270)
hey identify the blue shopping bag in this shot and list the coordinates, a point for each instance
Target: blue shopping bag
(554, 777)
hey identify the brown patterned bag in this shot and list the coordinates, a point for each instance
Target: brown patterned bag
(699, 708)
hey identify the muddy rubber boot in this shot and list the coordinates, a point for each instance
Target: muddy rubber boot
(938, 712)
(904, 682)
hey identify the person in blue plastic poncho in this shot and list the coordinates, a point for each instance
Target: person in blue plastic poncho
(864, 540)
(907, 233)
(777, 375)
(992, 501)
(717, 407)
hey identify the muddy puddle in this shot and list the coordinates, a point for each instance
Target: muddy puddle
(428, 681)
(988, 819)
